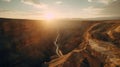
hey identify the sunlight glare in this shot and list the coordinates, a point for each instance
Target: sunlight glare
(49, 16)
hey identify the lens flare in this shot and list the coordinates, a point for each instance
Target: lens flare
(49, 16)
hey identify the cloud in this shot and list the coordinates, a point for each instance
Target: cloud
(58, 2)
(102, 1)
(112, 9)
(21, 14)
(3, 10)
(35, 3)
(89, 0)
(91, 12)
(7, 0)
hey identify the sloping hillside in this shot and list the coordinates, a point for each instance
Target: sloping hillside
(100, 47)
(32, 43)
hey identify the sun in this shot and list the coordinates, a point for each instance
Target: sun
(49, 16)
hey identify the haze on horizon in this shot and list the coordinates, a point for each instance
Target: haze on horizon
(58, 9)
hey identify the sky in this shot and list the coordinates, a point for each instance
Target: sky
(41, 9)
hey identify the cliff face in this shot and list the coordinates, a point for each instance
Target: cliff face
(25, 43)
(99, 47)
(28, 43)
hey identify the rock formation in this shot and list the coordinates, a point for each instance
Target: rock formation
(100, 47)
(30, 43)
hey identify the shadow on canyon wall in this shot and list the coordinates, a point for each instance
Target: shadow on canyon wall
(30, 43)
